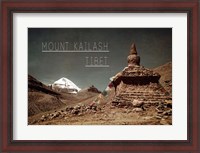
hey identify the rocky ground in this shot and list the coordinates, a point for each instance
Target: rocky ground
(82, 114)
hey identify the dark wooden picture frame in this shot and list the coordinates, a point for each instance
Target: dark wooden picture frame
(8, 7)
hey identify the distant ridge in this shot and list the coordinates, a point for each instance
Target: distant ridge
(35, 85)
(41, 98)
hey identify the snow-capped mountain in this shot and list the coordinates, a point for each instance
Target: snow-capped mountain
(65, 85)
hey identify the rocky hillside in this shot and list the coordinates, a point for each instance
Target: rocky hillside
(41, 98)
(35, 85)
(91, 89)
(166, 76)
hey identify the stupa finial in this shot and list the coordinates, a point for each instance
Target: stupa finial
(133, 49)
(133, 59)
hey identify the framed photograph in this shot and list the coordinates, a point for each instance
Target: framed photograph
(100, 76)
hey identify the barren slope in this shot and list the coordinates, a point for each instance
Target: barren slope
(166, 76)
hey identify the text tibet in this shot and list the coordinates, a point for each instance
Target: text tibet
(81, 47)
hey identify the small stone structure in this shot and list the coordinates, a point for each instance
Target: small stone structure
(137, 84)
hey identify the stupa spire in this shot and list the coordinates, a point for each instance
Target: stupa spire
(133, 59)
(133, 49)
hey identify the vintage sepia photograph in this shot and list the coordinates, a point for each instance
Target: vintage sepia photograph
(100, 76)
